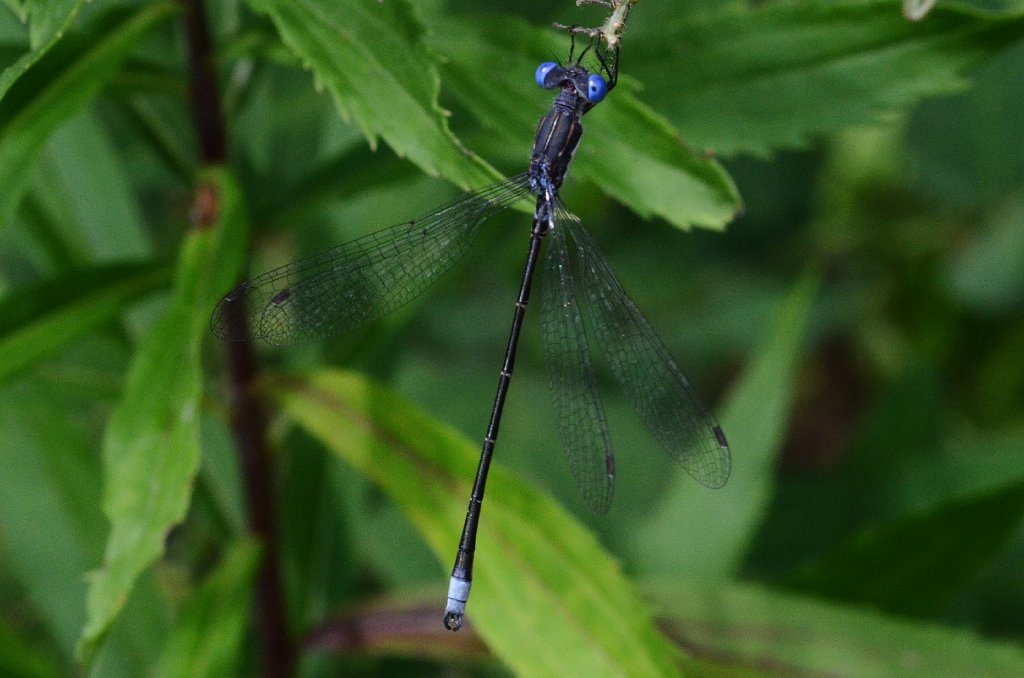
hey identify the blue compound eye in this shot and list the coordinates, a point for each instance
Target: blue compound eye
(597, 88)
(543, 70)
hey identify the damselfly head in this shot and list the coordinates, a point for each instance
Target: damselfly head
(589, 86)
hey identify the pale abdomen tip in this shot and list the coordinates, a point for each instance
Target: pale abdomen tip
(452, 621)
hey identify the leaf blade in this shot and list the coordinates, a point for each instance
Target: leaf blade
(207, 639)
(913, 566)
(720, 524)
(43, 38)
(380, 75)
(527, 545)
(777, 75)
(41, 319)
(59, 83)
(151, 447)
(751, 625)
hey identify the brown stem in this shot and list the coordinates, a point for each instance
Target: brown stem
(206, 113)
(247, 420)
(249, 426)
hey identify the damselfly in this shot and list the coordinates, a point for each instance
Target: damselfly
(583, 304)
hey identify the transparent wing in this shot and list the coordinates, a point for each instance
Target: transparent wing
(362, 280)
(661, 396)
(582, 427)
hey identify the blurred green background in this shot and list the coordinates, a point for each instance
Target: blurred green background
(849, 304)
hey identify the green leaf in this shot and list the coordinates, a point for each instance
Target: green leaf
(983, 163)
(37, 321)
(704, 534)
(48, 470)
(370, 58)
(51, 467)
(17, 8)
(60, 83)
(914, 566)
(638, 158)
(207, 639)
(537, 569)
(20, 657)
(79, 209)
(151, 449)
(988, 275)
(744, 626)
(84, 182)
(754, 78)
(628, 150)
(48, 19)
(969, 464)
(45, 34)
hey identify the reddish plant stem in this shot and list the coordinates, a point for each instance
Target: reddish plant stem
(206, 111)
(247, 420)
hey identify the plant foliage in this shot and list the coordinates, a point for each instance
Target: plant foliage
(847, 296)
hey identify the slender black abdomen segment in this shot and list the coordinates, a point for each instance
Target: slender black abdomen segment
(461, 581)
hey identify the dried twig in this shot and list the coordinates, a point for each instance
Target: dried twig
(611, 30)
